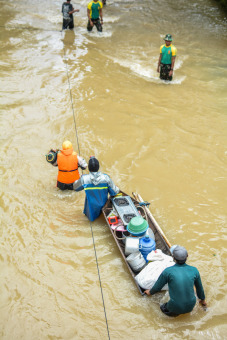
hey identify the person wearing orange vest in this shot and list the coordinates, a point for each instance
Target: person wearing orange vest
(68, 162)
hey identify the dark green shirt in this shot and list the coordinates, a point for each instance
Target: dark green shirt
(181, 280)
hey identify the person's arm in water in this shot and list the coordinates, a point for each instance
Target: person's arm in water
(159, 62)
(89, 17)
(172, 66)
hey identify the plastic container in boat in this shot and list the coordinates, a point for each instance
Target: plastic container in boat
(125, 234)
(146, 245)
(150, 233)
(136, 261)
(137, 226)
(131, 245)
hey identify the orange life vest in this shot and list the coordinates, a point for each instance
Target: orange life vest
(67, 166)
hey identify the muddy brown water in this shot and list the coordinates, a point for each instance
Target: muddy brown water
(164, 141)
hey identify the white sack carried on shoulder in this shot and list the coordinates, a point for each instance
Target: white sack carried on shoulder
(150, 274)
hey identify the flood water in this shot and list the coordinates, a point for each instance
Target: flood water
(166, 141)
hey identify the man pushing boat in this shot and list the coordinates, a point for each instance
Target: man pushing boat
(181, 279)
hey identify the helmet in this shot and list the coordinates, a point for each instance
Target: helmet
(67, 145)
(168, 37)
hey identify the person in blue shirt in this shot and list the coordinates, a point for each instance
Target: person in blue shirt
(181, 279)
(97, 186)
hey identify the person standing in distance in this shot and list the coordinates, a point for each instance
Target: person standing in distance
(94, 11)
(167, 58)
(181, 279)
(67, 12)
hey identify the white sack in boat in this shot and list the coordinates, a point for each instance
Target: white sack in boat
(150, 274)
(158, 255)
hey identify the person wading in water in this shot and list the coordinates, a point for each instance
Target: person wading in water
(68, 162)
(167, 59)
(97, 187)
(94, 11)
(181, 279)
(67, 12)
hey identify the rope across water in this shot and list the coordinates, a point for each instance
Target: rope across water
(74, 118)
(93, 239)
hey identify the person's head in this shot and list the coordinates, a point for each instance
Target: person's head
(168, 39)
(179, 254)
(93, 164)
(67, 145)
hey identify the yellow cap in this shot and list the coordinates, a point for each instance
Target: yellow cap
(67, 145)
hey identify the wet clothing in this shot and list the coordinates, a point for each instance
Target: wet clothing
(67, 18)
(181, 279)
(164, 72)
(64, 186)
(94, 8)
(97, 23)
(167, 53)
(68, 162)
(165, 310)
(97, 186)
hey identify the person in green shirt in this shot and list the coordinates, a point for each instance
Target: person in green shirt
(167, 59)
(94, 11)
(181, 279)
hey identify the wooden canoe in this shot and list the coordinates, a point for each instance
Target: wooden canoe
(160, 238)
